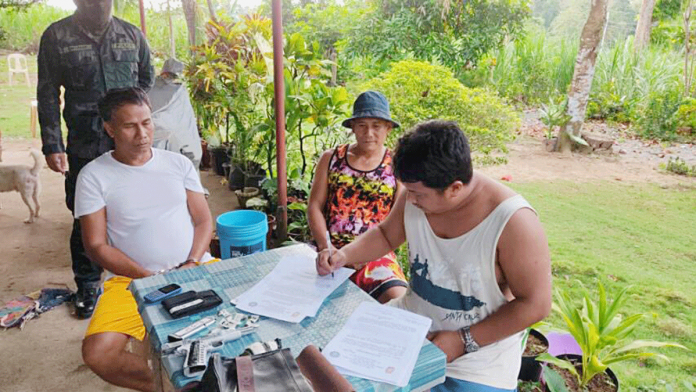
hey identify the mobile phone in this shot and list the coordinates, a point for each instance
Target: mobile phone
(163, 292)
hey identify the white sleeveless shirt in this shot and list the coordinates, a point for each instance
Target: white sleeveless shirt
(453, 282)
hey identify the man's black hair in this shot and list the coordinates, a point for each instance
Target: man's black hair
(116, 98)
(435, 153)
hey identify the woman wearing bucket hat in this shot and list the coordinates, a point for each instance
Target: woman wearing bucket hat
(354, 189)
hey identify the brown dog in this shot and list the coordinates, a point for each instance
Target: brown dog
(25, 180)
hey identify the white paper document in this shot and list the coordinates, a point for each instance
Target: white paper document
(379, 343)
(292, 291)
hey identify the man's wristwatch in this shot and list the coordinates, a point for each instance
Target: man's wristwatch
(470, 344)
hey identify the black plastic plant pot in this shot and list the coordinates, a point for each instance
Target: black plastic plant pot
(531, 368)
(237, 178)
(577, 359)
(255, 180)
(219, 157)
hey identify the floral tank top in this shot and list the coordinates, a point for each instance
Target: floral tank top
(357, 200)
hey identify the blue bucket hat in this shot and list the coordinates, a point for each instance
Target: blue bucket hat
(371, 104)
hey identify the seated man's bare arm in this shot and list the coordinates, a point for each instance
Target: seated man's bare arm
(202, 224)
(525, 265)
(100, 252)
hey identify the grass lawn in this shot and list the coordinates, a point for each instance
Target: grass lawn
(643, 236)
(15, 109)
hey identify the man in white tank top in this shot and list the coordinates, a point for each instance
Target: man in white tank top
(480, 265)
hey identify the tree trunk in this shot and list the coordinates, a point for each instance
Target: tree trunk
(644, 25)
(189, 7)
(583, 74)
(211, 10)
(688, 58)
(172, 45)
(334, 67)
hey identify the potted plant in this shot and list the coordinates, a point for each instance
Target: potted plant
(244, 170)
(535, 344)
(244, 194)
(557, 380)
(604, 338)
(226, 73)
(219, 155)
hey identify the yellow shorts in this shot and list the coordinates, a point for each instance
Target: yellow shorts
(116, 311)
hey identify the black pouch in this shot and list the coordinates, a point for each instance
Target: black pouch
(273, 371)
(191, 302)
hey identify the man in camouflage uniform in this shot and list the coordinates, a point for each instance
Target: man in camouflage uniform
(87, 53)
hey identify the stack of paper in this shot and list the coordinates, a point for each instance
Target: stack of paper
(292, 291)
(379, 343)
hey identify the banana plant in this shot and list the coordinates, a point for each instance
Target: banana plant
(602, 333)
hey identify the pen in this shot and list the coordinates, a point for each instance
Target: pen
(328, 246)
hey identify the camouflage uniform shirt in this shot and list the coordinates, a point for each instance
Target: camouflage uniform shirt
(87, 69)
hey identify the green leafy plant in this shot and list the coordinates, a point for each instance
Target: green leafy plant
(23, 27)
(685, 119)
(456, 33)
(554, 115)
(313, 109)
(656, 118)
(529, 386)
(227, 79)
(554, 381)
(299, 223)
(679, 166)
(419, 91)
(298, 191)
(608, 105)
(508, 70)
(257, 203)
(602, 333)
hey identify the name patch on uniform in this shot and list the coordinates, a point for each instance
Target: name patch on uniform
(75, 48)
(123, 45)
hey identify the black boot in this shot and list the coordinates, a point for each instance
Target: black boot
(86, 299)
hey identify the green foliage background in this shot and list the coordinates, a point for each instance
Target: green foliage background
(20, 30)
(456, 33)
(419, 91)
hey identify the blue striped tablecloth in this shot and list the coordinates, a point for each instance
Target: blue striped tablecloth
(229, 278)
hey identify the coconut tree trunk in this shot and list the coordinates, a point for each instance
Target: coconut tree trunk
(172, 45)
(189, 7)
(211, 10)
(334, 67)
(583, 74)
(644, 25)
(688, 56)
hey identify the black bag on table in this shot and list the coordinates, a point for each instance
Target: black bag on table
(272, 371)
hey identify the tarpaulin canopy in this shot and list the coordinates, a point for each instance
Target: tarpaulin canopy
(174, 119)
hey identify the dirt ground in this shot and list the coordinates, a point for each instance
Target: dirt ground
(45, 355)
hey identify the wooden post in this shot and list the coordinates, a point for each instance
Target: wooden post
(279, 89)
(142, 17)
(34, 118)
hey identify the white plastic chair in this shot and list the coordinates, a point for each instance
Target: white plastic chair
(17, 63)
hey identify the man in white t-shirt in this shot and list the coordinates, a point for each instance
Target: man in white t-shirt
(480, 265)
(142, 210)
